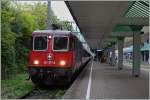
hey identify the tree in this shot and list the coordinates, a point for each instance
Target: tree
(7, 40)
(66, 25)
(40, 14)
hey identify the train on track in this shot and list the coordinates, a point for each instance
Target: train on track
(55, 56)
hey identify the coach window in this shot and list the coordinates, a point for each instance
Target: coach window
(40, 43)
(60, 43)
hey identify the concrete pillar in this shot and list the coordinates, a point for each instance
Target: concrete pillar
(107, 55)
(107, 61)
(113, 55)
(104, 55)
(136, 54)
(120, 52)
(144, 54)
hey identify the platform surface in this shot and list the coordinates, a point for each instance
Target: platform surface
(102, 81)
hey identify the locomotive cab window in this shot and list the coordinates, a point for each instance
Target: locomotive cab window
(60, 43)
(40, 43)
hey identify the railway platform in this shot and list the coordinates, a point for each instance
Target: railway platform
(102, 81)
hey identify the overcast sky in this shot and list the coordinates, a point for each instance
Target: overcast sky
(59, 8)
(61, 11)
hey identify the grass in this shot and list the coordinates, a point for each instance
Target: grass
(15, 87)
(60, 94)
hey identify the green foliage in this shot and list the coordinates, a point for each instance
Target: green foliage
(39, 12)
(66, 25)
(23, 24)
(16, 87)
(7, 40)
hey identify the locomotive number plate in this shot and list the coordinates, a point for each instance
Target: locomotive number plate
(49, 62)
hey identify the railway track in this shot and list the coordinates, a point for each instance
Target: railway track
(47, 92)
(40, 92)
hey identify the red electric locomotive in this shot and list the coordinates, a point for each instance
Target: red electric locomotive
(55, 56)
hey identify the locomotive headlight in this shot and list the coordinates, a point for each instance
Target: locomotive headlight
(49, 37)
(36, 62)
(62, 63)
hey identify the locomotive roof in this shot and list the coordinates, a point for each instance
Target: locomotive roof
(51, 32)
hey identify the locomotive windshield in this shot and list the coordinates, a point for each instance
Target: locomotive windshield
(40, 43)
(60, 43)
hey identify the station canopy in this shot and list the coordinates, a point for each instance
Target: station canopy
(100, 20)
